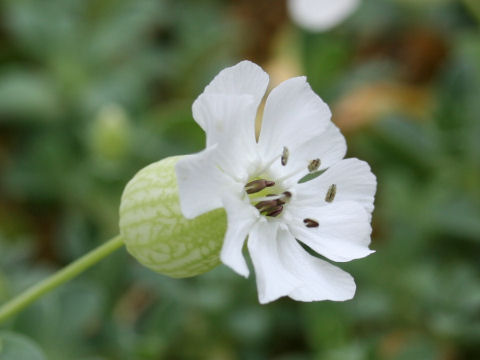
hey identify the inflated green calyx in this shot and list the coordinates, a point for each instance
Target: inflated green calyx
(157, 234)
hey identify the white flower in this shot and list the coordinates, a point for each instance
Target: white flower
(320, 15)
(258, 185)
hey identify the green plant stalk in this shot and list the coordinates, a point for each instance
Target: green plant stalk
(60, 277)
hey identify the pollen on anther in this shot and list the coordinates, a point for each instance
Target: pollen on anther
(332, 191)
(285, 155)
(314, 165)
(258, 185)
(310, 223)
(275, 212)
(287, 194)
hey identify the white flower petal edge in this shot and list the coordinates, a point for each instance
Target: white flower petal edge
(258, 185)
(353, 179)
(244, 78)
(343, 234)
(293, 114)
(230, 125)
(329, 147)
(241, 217)
(273, 278)
(283, 267)
(320, 15)
(198, 180)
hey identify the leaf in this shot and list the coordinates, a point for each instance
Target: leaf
(15, 347)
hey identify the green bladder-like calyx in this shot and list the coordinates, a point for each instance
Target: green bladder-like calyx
(155, 231)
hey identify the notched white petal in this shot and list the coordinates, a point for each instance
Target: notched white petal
(315, 279)
(328, 147)
(353, 181)
(199, 183)
(273, 279)
(244, 78)
(229, 122)
(241, 216)
(293, 115)
(223, 116)
(342, 234)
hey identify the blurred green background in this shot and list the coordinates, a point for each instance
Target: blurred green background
(91, 91)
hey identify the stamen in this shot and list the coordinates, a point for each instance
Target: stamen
(287, 194)
(268, 198)
(332, 191)
(275, 212)
(310, 223)
(279, 198)
(283, 196)
(267, 205)
(258, 185)
(314, 165)
(285, 155)
(270, 204)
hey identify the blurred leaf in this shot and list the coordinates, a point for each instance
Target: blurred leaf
(15, 347)
(27, 96)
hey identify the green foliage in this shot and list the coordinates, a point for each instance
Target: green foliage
(14, 347)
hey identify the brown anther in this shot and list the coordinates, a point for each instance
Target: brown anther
(314, 165)
(310, 223)
(287, 194)
(332, 191)
(285, 155)
(258, 185)
(275, 212)
(279, 201)
(267, 205)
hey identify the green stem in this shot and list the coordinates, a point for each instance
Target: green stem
(69, 272)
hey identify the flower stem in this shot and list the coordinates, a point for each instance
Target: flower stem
(67, 273)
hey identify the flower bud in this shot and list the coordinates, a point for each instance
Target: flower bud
(109, 134)
(157, 234)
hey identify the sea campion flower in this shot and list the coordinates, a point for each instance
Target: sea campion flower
(288, 191)
(320, 15)
(265, 189)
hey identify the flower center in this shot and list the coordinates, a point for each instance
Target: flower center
(266, 197)
(269, 197)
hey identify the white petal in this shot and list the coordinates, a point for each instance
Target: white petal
(229, 121)
(316, 279)
(319, 15)
(293, 115)
(241, 217)
(343, 233)
(329, 147)
(244, 78)
(245, 81)
(199, 182)
(273, 280)
(353, 179)
(284, 268)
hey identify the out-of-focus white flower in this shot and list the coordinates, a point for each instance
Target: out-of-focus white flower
(259, 185)
(320, 15)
